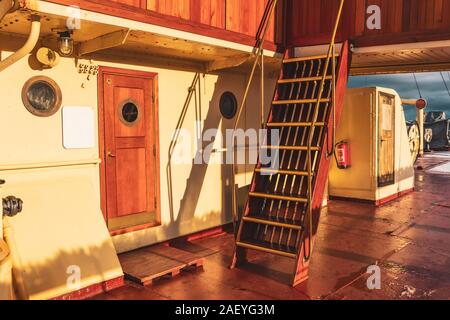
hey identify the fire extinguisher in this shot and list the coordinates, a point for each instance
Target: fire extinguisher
(342, 155)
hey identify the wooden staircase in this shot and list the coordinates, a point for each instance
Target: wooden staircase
(283, 208)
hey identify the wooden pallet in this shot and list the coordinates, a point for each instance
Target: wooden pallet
(146, 265)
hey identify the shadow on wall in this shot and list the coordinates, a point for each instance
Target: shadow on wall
(57, 275)
(196, 179)
(404, 173)
(198, 171)
(183, 227)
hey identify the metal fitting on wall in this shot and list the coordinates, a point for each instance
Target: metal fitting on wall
(11, 206)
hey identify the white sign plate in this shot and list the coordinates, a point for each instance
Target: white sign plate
(78, 127)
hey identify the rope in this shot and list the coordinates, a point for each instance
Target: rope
(417, 85)
(445, 83)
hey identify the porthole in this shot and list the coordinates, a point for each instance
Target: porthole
(129, 112)
(41, 96)
(228, 105)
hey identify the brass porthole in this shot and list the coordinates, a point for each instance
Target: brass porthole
(41, 96)
(129, 112)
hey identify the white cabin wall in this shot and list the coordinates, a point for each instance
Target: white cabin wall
(31, 139)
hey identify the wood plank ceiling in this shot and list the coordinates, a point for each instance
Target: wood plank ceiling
(401, 61)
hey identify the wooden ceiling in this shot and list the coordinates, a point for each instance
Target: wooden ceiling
(401, 61)
(137, 46)
(168, 51)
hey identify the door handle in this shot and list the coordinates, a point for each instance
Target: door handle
(111, 155)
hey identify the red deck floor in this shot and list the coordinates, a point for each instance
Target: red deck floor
(408, 238)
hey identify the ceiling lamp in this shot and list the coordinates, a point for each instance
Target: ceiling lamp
(65, 43)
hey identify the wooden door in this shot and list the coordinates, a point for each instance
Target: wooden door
(386, 142)
(130, 152)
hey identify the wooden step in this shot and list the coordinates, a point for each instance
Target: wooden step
(300, 59)
(272, 222)
(294, 124)
(308, 79)
(267, 247)
(283, 172)
(300, 101)
(148, 264)
(291, 148)
(277, 197)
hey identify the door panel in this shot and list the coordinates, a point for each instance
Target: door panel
(131, 181)
(386, 144)
(129, 147)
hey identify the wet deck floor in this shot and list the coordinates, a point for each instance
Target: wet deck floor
(408, 238)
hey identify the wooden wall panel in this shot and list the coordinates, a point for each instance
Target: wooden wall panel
(391, 13)
(203, 17)
(241, 16)
(410, 15)
(176, 8)
(209, 12)
(309, 21)
(427, 15)
(133, 3)
(244, 16)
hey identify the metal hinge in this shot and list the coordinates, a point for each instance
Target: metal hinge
(154, 150)
(156, 203)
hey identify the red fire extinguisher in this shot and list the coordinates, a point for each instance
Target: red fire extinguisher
(342, 155)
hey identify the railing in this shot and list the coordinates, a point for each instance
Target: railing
(259, 58)
(192, 92)
(330, 56)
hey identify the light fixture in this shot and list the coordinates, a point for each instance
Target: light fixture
(47, 57)
(65, 43)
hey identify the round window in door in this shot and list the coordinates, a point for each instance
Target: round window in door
(129, 112)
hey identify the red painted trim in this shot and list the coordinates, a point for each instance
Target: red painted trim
(371, 40)
(204, 234)
(324, 164)
(214, 232)
(101, 133)
(128, 72)
(93, 290)
(101, 141)
(376, 203)
(147, 16)
(386, 200)
(313, 39)
(134, 228)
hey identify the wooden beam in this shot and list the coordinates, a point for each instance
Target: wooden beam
(105, 41)
(226, 63)
(394, 69)
(147, 60)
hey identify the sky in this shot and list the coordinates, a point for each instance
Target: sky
(430, 84)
